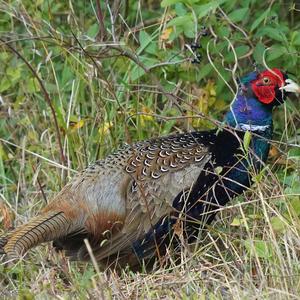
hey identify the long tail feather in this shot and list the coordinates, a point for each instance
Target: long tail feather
(3, 241)
(41, 229)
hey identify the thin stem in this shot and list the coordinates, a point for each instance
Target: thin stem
(40, 185)
(100, 18)
(46, 95)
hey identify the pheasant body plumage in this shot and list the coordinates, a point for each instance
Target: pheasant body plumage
(127, 204)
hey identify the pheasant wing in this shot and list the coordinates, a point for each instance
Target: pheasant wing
(159, 169)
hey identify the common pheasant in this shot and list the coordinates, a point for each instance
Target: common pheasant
(128, 204)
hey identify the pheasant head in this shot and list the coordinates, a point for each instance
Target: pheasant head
(258, 94)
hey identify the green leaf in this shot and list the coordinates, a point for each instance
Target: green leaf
(14, 73)
(238, 14)
(247, 140)
(206, 70)
(181, 21)
(257, 22)
(275, 52)
(185, 24)
(203, 10)
(223, 31)
(3, 154)
(180, 10)
(33, 86)
(93, 30)
(259, 177)
(278, 224)
(294, 188)
(294, 153)
(238, 222)
(259, 248)
(4, 56)
(218, 170)
(166, 3)
(145, 39)
(67, 74)
(189, 32)
(295, 205)
(273, 33)
(137, 71)
(239, 51)
(242, 50)
(152, 48)
(258, 53)
(295, 39)
(5, 84)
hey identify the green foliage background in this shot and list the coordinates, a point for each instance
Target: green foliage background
(121, 72)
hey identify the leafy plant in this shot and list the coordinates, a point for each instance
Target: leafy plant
(80, 78)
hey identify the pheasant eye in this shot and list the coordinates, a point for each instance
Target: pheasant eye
(266, 80)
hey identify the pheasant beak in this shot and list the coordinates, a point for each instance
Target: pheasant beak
(291, 86)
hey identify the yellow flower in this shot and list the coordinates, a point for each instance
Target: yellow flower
(76, 125)
(166, 34)
(146, 115)
(103, 130)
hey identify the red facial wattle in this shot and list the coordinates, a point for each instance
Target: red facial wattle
(266, 92)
